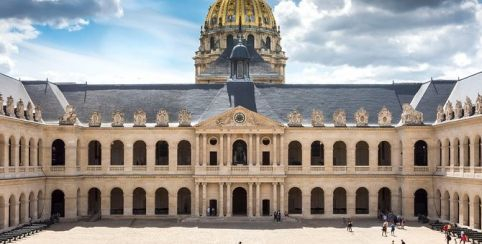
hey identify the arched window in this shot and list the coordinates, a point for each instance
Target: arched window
(362, 201)
(240, 152)
(385, 200)
(58, 203)
(449, 152)
(440, 152)
(2, 155)
(211, 43)
(420, 153)
(139, 202)
(294, 153)
(95, 153)
(294, 201)
(139, 155)
(94, 201)
(184, 201)
(317, 201)
(31, 202)
(162, 153)
(12, 210)
(116, 201)
(229, 42)
(339, 201)
(250, 41)
(420, 203)
(479, 151)
(21, 152)
(457, 152)
(58, 153)
(11, 151)
(40, 152)
(31, 145)
(362, 158)
(384, 154)
(162, 202)
(268, 43)
(339, 154)
(117, 153)
(317, 153)
(22, 209)
(466, 148)
(184, 153)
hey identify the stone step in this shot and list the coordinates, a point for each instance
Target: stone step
(234, 219)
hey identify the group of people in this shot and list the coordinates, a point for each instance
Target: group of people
(277, 216)
(211, 212)
(448, 234)
(385, 228)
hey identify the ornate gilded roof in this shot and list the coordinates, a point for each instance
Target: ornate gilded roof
(249, 12)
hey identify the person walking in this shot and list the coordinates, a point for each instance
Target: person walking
(448, 238)
(384, 229)
(463, 238)
(350, 225)
(392, 229)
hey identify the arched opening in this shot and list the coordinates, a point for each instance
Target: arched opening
(440, 152)
(95, 153)
(58, 203)
(446, 206)
(184, 153)
(21, 151)
(184, 201)
(162, 153)
(362, 158)
(294, 153)
(240, 152)
(317, 201)
(317, 154)
(339, 154)
(211, 43)
(58, 153)
(116, 201)
(12, 211)
(456, 205)
(77, 153)
(295, 201)
(384, 200)
(384, 154)
(421, 153)
(229, 42)
(250, 41)
(139, 153)
(268, 43)
(456, 152)
(11, 151)
(39, 152)
(117, 153)
(478, 151)
(362, 201)
(139, 202)
(466, 210)
(339, 201)
(2, 155)
(77, 202)
(420, 203)
(31, 204)
(94, 201)
(31, 157)
(466, 148)
(3, 207)
(162, 202)
(477, 212)
(40, 204)
(22, 209)
(240, 202)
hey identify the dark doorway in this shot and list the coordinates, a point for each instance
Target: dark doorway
(266, 207)
(420, 203)
(94, 201)
(213, 158)
(385, 200)
(294, 201)
(58, 152)
(184, 201)
(266, 158)
(162, 202)
(240, 206)
(213, 206)
(240, 152)
(58, 203)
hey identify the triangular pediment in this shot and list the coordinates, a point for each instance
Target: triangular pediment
(239, 117)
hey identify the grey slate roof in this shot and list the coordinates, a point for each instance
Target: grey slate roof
(46, 95)
(435, 94)
(470, 86)
(13, 87)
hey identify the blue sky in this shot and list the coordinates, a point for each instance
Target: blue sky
(153, 41)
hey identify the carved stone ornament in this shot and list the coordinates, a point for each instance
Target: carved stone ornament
(440, 114)
(384, 117)
(317, 118)
(184, 117)
(69, 116)
(478, 104)
(117, 119)
(10, 109)
(95, 119)
(20, 111)
(449, 111)
(339, 118)
(295, 119)
(361, 117)
(459, 110)
(410, 116)
(1, 105)
(140, 118)
(468, 107)
(162, 118)
(29, 111)
(38, 114)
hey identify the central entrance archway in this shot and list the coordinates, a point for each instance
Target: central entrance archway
(240, 203)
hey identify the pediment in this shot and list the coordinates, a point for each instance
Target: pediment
(239, 117)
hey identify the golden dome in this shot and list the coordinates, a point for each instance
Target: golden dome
(255, 13)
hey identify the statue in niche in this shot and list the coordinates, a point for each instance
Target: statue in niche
(95, 119)
(38, 114)
(20, 111)
(468, 107)
(30, 111)
(410, 116)
(339, 118)
(317, 118)
(440, 114)
(69, 116)
(140, 118)
(184, 118)
(361, 117)
(295, 119)
(117, 119)
(449, 111)
(459, 110)
(384, 117)
(10, 109)
(162, 118)
(478, 104)
(239, 153)
(1, 105)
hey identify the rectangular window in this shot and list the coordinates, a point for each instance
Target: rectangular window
(213, 158)
(266, 157)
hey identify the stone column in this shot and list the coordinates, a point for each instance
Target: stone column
(473, 154)
(258, 151)
(250, 199)
(33, 155)
(328, 160)
(443, 208)
(34, 208)
(150, 203)
(283, 153)
(464, 205)
(407, 205)
(172, 203)
(204, 200)
(196, 199)
(128, 159)
(258, 200)
(282, 198)
(196, 157)
(250, 150)
(453, 155)
(5, 211)
(128, 203)
(328, 203)
(4, 157)
(173, 158)
(229, 206)
(221, 150)
(205, 149)
(350, 203)
(474, 219)
(373, 157)
(70, 157)
(305, 156)
(350, 158)
(275, 150)
(105, 203)
(373, 204)
(150, 157)
(70, 207)
(445, 154)
(83, 204)
(221, 200)
(275, 197)
(105, 160)
(229, 150)
(306, 202)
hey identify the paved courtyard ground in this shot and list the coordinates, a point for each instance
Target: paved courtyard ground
(230, 232)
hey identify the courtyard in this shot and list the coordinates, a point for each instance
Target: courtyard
(230, 231)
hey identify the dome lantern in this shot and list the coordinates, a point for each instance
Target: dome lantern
(239, 59)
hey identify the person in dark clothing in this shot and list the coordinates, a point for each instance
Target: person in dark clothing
(349, 226)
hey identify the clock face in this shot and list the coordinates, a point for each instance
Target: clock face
(239, 118)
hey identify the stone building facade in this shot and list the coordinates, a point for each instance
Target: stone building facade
(240, 149)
